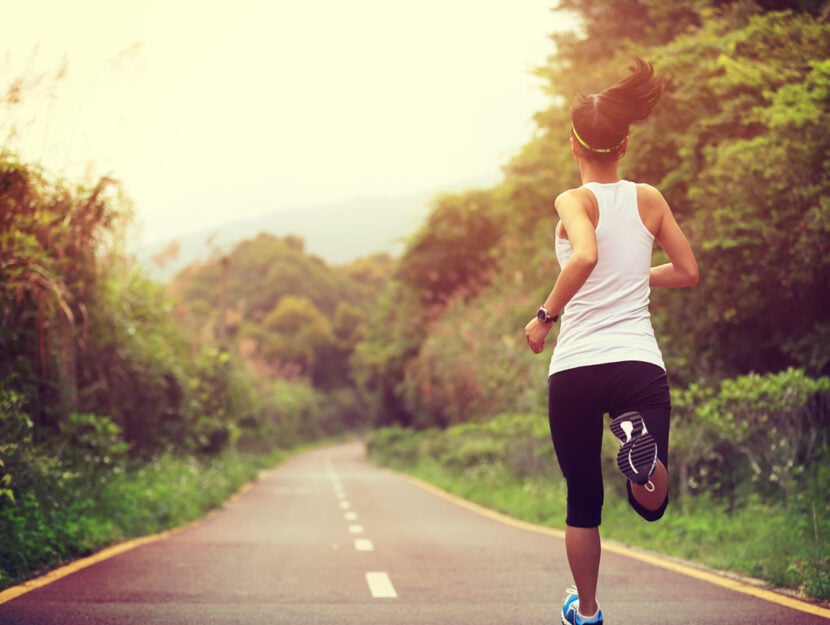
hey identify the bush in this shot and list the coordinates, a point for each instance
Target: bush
(287, 416)
(757, 434)
(42, 496)
(517, 444)
(93, 446)
(15, 442)
(395, 446)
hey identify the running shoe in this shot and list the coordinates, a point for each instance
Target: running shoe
(637, 457)
(570, 610)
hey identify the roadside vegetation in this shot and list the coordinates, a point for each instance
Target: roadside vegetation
(66, 506)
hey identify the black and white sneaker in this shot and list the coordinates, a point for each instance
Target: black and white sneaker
(637, 458)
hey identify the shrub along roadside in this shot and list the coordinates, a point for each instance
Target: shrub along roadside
(62, 519)
(777, 535)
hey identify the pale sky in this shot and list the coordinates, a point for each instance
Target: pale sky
(213, 111)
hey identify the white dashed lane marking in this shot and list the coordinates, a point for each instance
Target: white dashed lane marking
(363, 544)
(380, 585)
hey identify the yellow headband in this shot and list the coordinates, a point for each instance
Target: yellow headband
(588, 147)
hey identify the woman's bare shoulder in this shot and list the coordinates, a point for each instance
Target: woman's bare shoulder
(651, 205)
(649, 194)
(581, 195)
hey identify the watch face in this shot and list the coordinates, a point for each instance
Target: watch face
(541, 315)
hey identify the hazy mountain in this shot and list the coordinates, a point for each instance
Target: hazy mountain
(337, 233)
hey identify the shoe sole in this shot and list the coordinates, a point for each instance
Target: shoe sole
(638, 455)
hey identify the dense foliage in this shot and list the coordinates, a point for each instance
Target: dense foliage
(83, 332)
(283, 310)
(738, 145)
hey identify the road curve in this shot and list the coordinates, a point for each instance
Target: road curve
(326, 538)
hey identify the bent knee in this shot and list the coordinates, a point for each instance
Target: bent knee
(653, 515)
(649, 515)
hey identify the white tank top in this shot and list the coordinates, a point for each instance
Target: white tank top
(608, 319)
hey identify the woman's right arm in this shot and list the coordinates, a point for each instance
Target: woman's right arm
(682, 270)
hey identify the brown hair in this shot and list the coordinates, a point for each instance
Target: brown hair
(600, 122)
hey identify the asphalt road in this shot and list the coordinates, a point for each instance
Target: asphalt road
(327, 538)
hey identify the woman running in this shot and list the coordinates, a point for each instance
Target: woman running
(606, 358)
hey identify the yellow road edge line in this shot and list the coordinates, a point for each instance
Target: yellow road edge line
(56, 574)
(654, 559)
(108, 552)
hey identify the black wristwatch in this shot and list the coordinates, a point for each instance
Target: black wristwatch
(545, 317)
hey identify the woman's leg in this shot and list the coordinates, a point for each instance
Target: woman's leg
(643, 387)
(583, 547)
(652, 494)
(575, 408)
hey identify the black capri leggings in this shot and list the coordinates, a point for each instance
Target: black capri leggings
(578, 399)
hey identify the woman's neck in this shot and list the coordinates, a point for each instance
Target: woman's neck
(598, 171)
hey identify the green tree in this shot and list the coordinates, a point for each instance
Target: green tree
(298, 332)
(753, 183)
(452, 253)
(259, 274)
(452, 256)
(394, 335)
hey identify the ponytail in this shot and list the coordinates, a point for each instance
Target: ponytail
(600, 122)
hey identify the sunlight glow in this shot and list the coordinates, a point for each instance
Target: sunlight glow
(211, 112)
